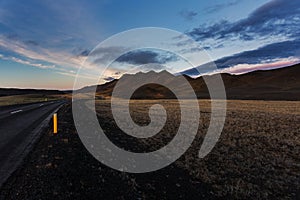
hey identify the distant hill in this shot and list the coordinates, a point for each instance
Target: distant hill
(15, 91)
(276, 84)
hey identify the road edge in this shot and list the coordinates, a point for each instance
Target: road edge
(36, 134)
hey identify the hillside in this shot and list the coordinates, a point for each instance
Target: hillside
(277, 84)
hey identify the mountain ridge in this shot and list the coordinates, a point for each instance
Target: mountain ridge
(277, 84)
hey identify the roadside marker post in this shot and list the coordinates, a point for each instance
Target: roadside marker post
(55, 123)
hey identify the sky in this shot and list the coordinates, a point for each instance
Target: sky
(44, 43)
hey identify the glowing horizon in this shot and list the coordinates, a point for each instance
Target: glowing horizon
(240, 36)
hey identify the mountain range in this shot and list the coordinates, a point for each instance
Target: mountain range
(276, 84)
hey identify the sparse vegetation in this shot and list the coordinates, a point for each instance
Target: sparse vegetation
(256, 157)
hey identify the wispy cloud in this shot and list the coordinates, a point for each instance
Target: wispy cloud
(38, 65)
(43, 34)
(27, 62)
(47, 35)
(39, 53)
(52, 23)
(218, 7)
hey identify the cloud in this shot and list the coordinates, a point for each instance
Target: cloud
(61, 62)
(267, 53)
(130, 62)
(75, 75)
(15, 37)
(188, 14)
(218, 7)
(152, 66)
(39, 53)
(26, 62)
(84, 53)
(102, 55)
(52, 23)
(272, 51)
(141, 57)
(245, 68)
(275, 18)
(80, 52)
(38, 65)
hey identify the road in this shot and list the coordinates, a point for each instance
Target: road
(20, 126)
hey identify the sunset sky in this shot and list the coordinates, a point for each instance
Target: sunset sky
(43, 43)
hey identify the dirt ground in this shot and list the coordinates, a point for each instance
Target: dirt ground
(257, 157)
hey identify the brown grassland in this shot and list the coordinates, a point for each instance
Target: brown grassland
(257, 154)
(256, 157)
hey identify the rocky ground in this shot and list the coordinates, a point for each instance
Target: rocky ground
(257, 156)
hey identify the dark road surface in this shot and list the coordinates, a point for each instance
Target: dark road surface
(20, 126)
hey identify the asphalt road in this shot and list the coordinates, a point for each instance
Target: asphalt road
(20, 126)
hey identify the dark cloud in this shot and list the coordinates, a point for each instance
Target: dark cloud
(275, 18)
(218, 7)
(141, 57)
(268, 52)
(188, 14)
(104, 54)
(273, 51)
(84, 52)
(278, 18)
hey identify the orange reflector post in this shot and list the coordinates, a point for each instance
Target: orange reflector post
(55, 123)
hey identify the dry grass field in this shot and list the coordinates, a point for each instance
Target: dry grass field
(257, 155)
